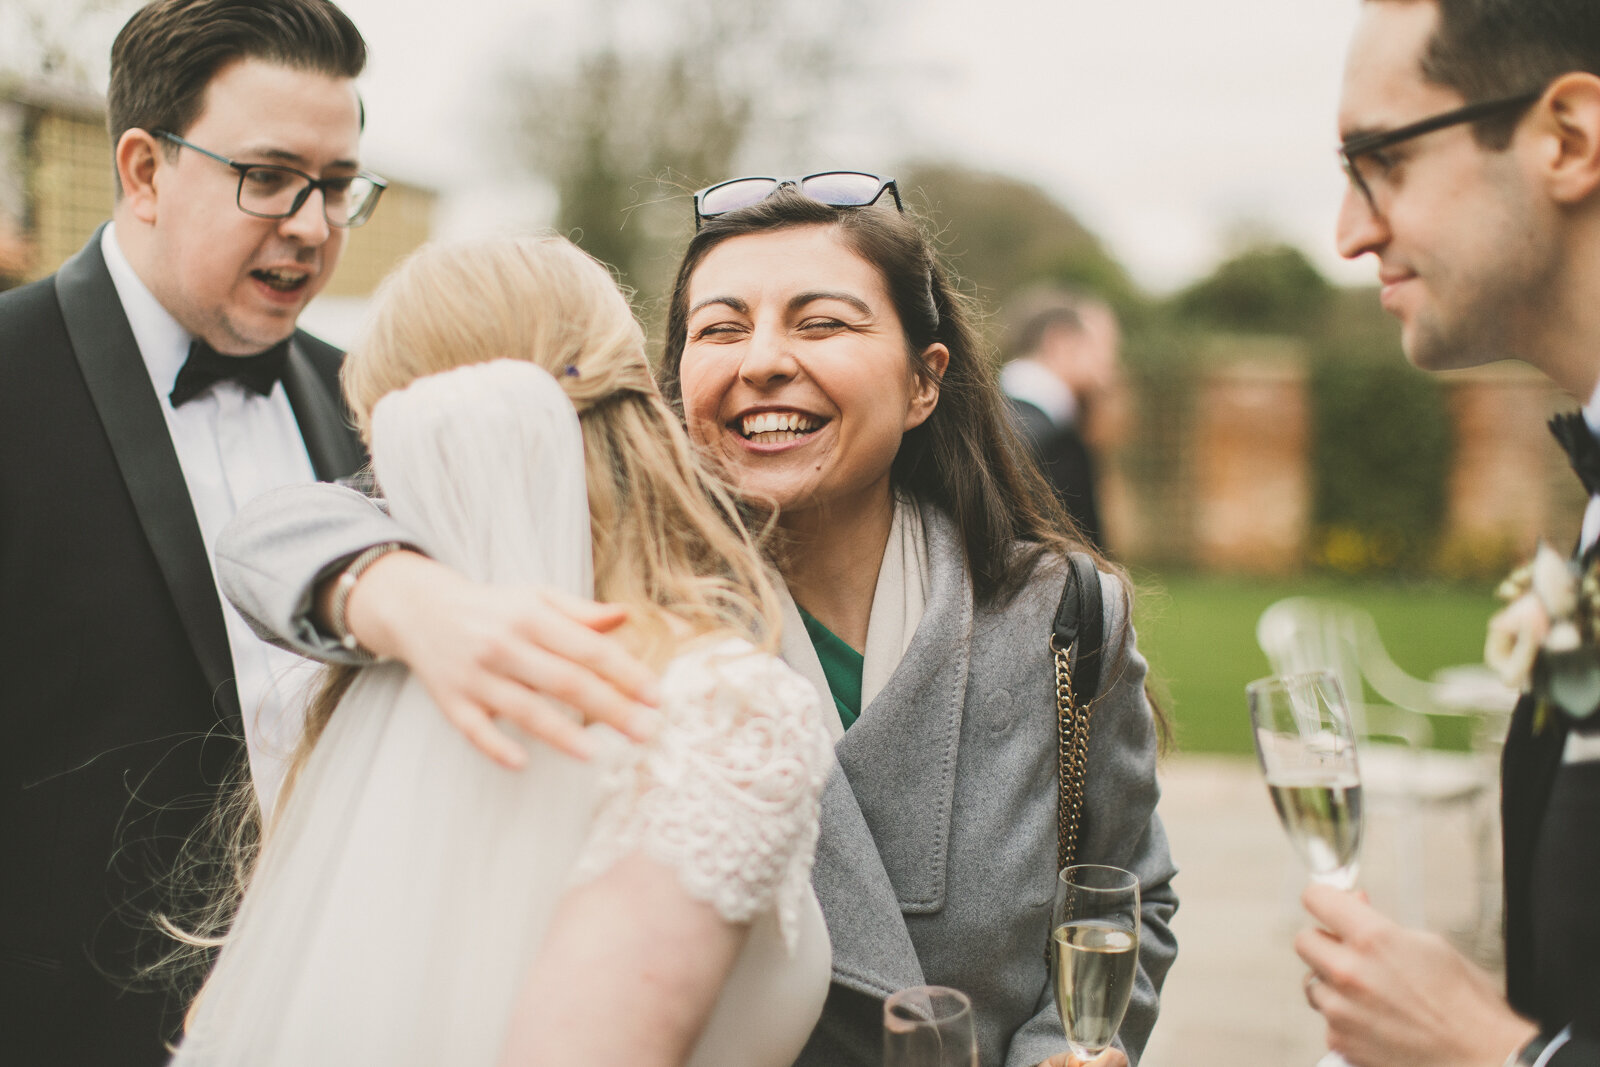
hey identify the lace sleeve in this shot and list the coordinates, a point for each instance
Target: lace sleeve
(727, 795)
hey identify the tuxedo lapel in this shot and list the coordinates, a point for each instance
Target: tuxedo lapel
(886, 812)
(334, 451)
(1527, 771)
(131, 414)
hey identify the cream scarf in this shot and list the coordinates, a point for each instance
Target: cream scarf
(897, 605)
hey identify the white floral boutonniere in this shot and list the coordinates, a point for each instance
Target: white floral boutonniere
(1543, 642)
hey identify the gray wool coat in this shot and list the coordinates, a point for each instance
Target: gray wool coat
(936, 861)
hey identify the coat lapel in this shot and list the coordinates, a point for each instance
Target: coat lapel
(886, 813)
(872, 952)
(335, 453)
(131, 415)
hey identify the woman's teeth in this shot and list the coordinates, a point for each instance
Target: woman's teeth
(777, 427)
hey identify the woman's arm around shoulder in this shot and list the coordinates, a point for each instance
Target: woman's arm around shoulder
(483, 652)
(279, 546)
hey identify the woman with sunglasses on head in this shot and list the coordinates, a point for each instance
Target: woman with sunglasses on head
(821, 355)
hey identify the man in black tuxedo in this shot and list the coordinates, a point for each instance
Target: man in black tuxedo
(1063, 364)
(1472, 142)
(148, 389)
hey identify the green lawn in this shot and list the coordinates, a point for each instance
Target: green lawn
(1199, 636)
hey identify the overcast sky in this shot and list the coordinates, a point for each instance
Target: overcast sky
(1170, 127)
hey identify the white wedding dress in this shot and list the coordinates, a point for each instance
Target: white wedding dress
(409, 880)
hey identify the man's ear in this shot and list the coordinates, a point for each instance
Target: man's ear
(136, 160)
(1570, 124)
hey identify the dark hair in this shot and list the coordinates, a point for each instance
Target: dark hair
(165, 57)
(1491, 49)
(1038, 311)
(966, 456)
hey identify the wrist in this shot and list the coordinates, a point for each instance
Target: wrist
(362, 598)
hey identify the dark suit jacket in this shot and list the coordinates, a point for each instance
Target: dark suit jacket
(1066, 462)
(119, 710)
(1551, 817)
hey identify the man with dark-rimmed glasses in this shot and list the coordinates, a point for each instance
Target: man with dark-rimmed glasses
(1471, 139)
(149, 388)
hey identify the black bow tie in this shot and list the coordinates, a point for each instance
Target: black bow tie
(1581, 448)
(206, 367)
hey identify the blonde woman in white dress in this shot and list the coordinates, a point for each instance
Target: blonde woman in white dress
(416, 903)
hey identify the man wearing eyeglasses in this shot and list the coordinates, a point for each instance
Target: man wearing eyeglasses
(1471, 138)
(147, 390)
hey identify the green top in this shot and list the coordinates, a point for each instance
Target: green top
(841, 666)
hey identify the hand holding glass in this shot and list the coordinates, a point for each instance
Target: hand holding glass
(1095, 944)
(1307, 748)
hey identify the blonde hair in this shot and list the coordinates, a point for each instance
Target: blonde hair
(669, 542)
(668, 539)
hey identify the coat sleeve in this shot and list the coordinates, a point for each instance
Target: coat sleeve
(280, 545)
(1123, 830)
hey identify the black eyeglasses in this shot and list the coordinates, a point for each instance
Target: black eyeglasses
(271, 191)
(836, 188)
(1362, 157)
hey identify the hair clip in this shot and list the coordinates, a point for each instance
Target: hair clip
(572, 370)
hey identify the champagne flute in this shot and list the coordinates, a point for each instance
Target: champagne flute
(1307, 749)
(929, 1026)
(1095, 942)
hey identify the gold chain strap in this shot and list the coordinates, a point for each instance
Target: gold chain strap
(1072, 758)
(1072, 754)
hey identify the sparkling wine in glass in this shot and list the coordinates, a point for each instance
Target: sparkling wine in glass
(1308, 752)
(1095, 944)
(1307, 748)
(929, 1026)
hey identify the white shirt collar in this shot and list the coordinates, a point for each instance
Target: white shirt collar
(1024, 379)
(1591, 411)
(163, 343)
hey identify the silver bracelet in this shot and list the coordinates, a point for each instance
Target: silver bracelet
(342, 587)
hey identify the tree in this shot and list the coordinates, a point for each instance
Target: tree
(627, 128)
(1270, 288)
(47, 40)
(1004, 235)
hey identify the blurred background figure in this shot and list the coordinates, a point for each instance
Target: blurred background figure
(1061, 383)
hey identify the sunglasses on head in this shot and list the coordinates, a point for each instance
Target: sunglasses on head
(836, 188)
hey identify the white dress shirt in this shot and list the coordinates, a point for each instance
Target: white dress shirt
(1026, 380)
(233, 445)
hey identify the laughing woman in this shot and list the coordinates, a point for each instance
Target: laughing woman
(820, 353)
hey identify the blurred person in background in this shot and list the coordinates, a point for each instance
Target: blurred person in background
(1060, 382)
(1471, 138)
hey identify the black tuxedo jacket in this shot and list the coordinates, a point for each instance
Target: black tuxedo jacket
(1551, 817)
(1067, 464)
(120, 715)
